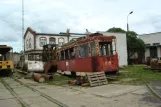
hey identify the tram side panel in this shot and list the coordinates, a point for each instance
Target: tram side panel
(80, 65)
(105, 64)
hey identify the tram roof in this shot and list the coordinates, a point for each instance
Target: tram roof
(89, 38)
(4, 49)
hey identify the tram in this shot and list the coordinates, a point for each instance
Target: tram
(93, 53)
(6, 61)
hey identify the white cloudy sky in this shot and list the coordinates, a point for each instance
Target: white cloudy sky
(54, 16)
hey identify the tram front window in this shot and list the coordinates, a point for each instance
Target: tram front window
(35, 57)
(107, 48)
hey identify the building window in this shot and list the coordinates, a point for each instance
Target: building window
(51, 40)
(60, 41)
(27, 44)
(156, 44)
(153, 52)
(147, 45)
(30, 43)
(43, 41)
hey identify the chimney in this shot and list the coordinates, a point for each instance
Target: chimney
(68, 34)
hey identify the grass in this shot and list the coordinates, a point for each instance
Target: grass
(136, 74)
(60, 80)
(139, 74)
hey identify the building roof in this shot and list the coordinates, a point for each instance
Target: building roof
(30, 30)
(73, 33)
(110, 32)
(49, 34)
(148, 33)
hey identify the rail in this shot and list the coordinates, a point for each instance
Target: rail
(33, 89)
(14, 94)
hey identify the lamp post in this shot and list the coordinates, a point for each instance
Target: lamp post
(127, 35)
(127, 20)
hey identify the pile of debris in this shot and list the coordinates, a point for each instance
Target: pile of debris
(92, 79)
(83, 81)
(42, 77)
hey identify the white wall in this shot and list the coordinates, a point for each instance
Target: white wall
(38, 47)
(151, 38)
(121, 46)
(29, 36)
(147, 53)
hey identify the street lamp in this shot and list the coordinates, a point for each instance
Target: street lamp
(127, 20)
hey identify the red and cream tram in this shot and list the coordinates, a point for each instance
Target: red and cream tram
(94, 53)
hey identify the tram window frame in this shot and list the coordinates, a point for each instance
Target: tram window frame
(62, 55)
(109, 51)
(93, 48)
(71, 53)
(77, 49)
(66, 54)
(32, 57)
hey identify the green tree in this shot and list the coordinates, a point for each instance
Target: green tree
(116, 30)
(134, 44)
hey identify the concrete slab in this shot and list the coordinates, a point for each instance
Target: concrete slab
(110, 90)
(9, 103)
(140, 91)
(48, 104)
(29, 95)
(6, 98)
(22, 90)
(110, 95)
(33, 100)
(5, 94)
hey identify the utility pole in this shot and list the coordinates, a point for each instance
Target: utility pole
(22, 25)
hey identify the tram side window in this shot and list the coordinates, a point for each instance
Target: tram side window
(106, 48)
(30, 57)
(66, 54)
(35, 57)
(62, 55)
(71, 53)
(93, 50)
(38, 57)
(85, 49)
(58, 56)
(78, 55)
(82, 51)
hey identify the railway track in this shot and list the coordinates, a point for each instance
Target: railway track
(152, 90)
(18, 89)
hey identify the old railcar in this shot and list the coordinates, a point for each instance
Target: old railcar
(6, 61)
(31, 62)
(94, 53)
